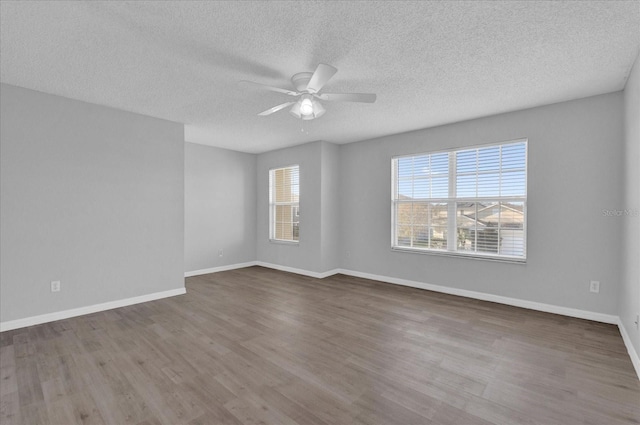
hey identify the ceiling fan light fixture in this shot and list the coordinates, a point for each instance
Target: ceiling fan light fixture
(318, 109)
(306, 106)
(295, 110)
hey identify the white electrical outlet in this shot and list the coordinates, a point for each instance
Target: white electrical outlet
(594, 286)
(55, 286)
(220, 253)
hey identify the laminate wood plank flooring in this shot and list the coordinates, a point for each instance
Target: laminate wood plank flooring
(259, 346)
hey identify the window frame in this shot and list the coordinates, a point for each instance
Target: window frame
(273, 204)
(452, 200)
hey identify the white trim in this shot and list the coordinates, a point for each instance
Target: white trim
(273, 204)
(284, 242)
(453, 198)
(303, 272)
(220, 269)
(66, 314)
(462, 254)
(630, 348)
(467, 147)
(318, 275)
(531, 305)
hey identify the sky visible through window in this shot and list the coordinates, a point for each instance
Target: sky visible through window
(295, 184)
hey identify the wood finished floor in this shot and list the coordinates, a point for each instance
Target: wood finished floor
(258, 346)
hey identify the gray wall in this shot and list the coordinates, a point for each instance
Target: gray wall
(90, 196)
(93, 197)
(575, 149)
(306, 255)
(629, 304)
(330, 207)
(318, 249)
(220, 207)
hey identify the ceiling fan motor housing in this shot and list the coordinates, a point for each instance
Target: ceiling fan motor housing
(301, 80)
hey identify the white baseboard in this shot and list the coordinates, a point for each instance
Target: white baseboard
(318, 275)
(303, 272)
(66, 314)
(220, 269)
(635, 359)
(531, 305)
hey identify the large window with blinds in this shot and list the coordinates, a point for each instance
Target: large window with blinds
(284, 204)
(469, 202)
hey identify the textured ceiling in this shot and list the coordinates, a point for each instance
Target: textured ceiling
(430, 63)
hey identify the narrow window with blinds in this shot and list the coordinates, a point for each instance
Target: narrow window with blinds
(284, 204)
(469, 202)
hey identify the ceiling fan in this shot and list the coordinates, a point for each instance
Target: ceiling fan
(308, 86)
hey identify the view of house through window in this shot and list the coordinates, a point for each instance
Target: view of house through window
(284, 208)
(469, 201)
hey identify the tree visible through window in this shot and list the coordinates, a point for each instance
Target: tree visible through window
(469, 201)
(284, 208)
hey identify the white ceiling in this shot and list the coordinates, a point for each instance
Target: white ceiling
(430, 63)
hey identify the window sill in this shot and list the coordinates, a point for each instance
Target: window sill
(494, 258)
(284, 242)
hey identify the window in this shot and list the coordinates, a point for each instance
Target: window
(284, 208)
(470, 201)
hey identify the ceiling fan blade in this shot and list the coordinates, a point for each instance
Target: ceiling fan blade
(348, 97)
(320, 77)
(275, 109)
(270, 88)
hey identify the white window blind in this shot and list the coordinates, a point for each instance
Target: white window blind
(284, 207)
(468, 201)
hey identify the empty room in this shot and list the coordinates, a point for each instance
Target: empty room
(319, 212)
